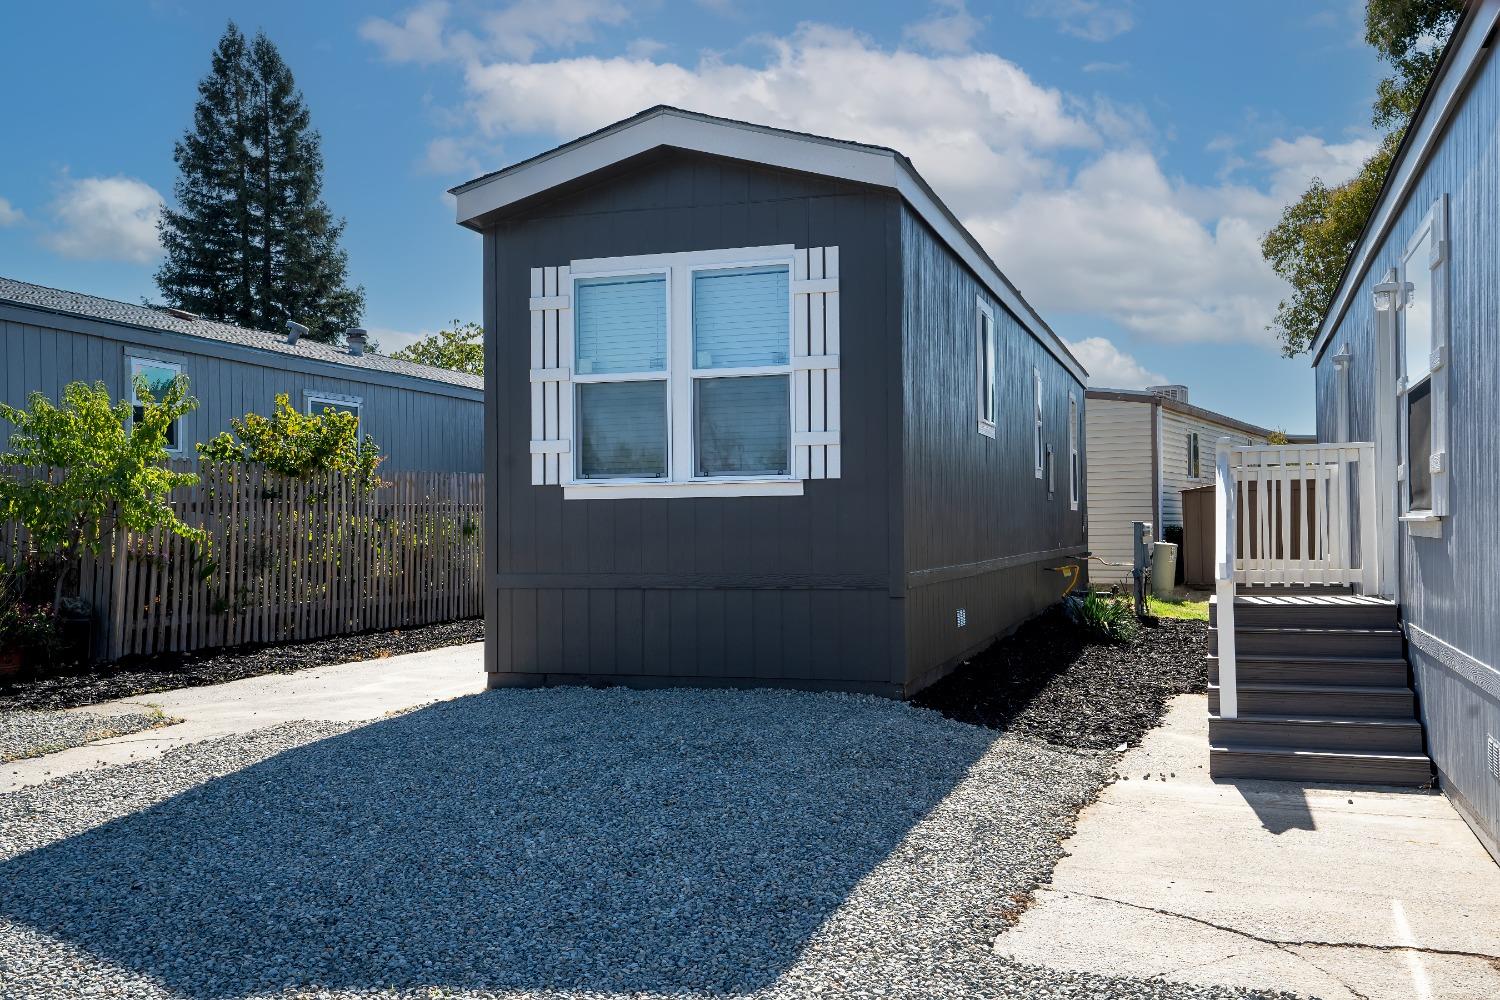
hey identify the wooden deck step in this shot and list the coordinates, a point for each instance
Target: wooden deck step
(1265, 642)
(1320, 699)
(1279, 763)
(1366, 671)
(1332, 733)
(1310, 611)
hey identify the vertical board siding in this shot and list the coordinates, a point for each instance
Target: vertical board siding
(968, 497)
(1449, 586)
(286, 560)
(752, 590)
(415, 428)
(1121, 483)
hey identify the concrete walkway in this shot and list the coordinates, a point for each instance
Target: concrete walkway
(349, 692)
(1344, 893)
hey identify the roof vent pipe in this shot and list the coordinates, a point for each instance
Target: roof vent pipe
(294, 331)
(357, 339)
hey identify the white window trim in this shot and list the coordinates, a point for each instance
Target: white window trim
(131, 360)
(680, 375)
(311, 398)
(1426, 522)
(1040, 456)
(986, 425)
(1075, 479)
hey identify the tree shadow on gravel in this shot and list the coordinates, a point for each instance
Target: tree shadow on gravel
(616, 841)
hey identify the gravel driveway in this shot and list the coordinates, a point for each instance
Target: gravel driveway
(559, 843)
(32, 734)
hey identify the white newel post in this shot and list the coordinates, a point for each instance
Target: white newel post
(1369, 556)
(1224, 545)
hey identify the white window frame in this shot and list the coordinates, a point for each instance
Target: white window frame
(986, 383)
(1075, 467)
(1426, 522)
(131, 361)
(1036, 408)
(1194, 455)
(681, 375)
(312, 398)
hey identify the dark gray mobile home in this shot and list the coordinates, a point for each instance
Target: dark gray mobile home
(423, 418)
(760, 411)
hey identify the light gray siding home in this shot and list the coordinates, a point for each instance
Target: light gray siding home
(763, 413)
(1147, 446)
(423, 418)
(1408, 357)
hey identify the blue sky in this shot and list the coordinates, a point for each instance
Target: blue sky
(1119, 159)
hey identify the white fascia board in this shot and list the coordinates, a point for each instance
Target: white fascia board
(774, 148)
(1462, 67)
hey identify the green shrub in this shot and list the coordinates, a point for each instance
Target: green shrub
(1110, 618)
(298, 445)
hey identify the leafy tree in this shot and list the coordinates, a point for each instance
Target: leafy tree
(74, 467)
(1311, 244)
(461, 348)
(250, 240)
(298, 445)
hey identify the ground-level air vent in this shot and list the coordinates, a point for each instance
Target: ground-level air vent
(962, 617)
(1492, 753)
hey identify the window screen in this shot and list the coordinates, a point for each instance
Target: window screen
(622, 430)
(743, 426)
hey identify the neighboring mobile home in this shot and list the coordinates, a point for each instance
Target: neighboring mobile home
(423, 418)
(1406, 361)
(761, 412)
(1148, 446)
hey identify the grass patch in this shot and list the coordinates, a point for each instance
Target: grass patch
(1189, 611)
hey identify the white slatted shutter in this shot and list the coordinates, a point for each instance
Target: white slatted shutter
(815, 364)
(551, 376)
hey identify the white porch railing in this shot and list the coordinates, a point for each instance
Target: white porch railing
(1289, 516)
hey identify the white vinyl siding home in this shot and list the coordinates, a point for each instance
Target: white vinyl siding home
(1140, 461)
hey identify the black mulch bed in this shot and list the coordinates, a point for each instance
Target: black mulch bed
(135, 676)
(1050, 682)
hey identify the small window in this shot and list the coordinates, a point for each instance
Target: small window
(1036, 408)
(1194, 462)
(1422, 356)
(159, 376)
(1051, 473)
(316, 402)
(984, 358)
(621, 364)
(1074, 470)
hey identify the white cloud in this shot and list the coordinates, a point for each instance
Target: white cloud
(9, 214)
(1065, 192)
(1108, 366)
(949, 28)
(417, 37)
(106, 218)
(1091, 20)
(449, 155)
(645, 48)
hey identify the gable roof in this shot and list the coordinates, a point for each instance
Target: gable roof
(663, 126)
(1467, 48)
(1190, 410)
(55, 300)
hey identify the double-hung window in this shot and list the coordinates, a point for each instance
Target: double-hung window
(984, 363)
(1036, 413)
(1075, 470)
(1422, 356)
(159, 376)
(684, 374)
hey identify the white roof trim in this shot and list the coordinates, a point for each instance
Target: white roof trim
(1448, 92)
(757, 144)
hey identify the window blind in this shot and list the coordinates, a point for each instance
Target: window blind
(622, 325)
(741, 318)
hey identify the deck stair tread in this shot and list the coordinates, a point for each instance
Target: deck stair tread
(1377, 755)
(1362, 721)
(1314, 630)
(1322, 688)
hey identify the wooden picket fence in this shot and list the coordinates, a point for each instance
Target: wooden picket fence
(288, 560)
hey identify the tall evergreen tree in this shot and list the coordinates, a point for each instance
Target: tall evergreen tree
(251, 241)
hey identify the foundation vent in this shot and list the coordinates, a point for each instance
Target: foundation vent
(1492, 754)
(962, 617)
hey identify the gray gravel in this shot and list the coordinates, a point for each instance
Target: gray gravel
(564, 843)
(31, 734)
